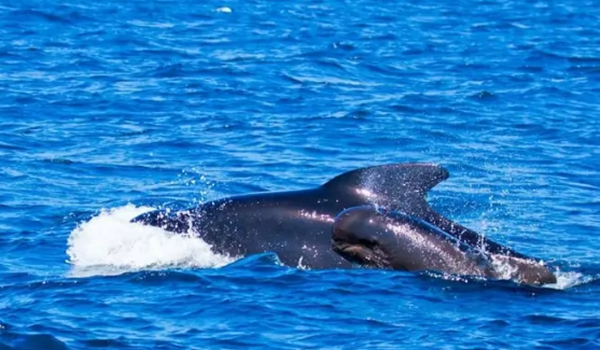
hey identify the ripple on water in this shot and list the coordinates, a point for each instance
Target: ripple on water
(113, 108)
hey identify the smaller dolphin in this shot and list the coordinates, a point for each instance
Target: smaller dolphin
(380, 238)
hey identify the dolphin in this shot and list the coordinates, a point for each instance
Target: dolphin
(376, 237)
(297, 225)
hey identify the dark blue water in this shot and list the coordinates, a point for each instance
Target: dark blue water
(111, 108)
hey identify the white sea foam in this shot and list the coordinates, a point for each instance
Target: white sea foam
(565, 280)
(110, 244)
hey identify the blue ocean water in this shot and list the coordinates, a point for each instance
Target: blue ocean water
(109, 109)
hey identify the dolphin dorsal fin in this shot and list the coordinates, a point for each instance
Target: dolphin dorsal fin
(396, 186)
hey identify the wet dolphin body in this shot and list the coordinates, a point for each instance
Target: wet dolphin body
(297, 225)
(381, 238)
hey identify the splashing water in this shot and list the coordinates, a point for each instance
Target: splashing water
(110, 244)
(570, 279)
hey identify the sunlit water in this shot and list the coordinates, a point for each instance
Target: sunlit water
(112, 109)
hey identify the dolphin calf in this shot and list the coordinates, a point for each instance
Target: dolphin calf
(297, 225)
(377, 237)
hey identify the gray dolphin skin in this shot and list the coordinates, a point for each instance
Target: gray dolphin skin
(381, 238)
(297, 225)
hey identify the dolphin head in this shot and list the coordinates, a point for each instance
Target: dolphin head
(356, 241)
(376, 237)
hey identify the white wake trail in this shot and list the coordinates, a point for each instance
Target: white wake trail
(110, 244)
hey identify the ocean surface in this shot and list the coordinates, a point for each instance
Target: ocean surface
(110, 109)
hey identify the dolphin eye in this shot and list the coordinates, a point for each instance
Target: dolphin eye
(368, 243)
